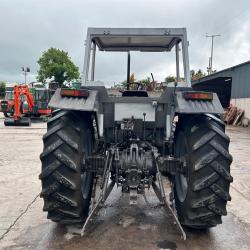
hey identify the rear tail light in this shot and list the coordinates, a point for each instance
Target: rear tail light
(203, 96)
(75, 93)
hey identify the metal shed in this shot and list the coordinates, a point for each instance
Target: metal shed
(240, 92)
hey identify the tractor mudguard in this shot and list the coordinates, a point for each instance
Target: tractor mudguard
(184, 106)
(74, 103)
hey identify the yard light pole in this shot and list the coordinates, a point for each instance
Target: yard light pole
(210, 61)
(25, 71)
(128, 70)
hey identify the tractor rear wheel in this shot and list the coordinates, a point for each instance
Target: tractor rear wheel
(65, 189)
(201, 194)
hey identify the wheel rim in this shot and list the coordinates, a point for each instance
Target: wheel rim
(181, 187)
(181, 181)
(87, 177)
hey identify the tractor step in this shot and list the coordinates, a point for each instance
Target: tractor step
(24, 121)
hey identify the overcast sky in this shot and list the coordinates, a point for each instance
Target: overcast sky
(29, 27)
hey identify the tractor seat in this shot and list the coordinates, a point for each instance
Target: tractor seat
(137, 93)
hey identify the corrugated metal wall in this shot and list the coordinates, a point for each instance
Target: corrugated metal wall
(240, 80)
(240, 75)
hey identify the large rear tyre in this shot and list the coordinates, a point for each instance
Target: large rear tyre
(202, 193)
(66, 191)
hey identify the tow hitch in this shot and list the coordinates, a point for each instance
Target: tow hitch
(135, 171)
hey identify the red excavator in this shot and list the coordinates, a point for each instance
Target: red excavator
(18, 119)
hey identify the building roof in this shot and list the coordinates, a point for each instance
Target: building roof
(218, 73)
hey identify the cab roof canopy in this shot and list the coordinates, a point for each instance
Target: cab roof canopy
(136, 39)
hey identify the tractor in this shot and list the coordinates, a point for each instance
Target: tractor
(95, 141)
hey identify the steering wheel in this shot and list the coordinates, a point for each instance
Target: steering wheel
(139, 85)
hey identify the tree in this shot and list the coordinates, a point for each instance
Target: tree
(170, 78)
(57, 65)
(145, 81)
(197, 75)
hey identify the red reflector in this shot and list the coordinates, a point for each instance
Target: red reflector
(75, 93)
(204, 96)
(67, 92)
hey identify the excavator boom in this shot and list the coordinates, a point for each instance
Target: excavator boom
(17, 119)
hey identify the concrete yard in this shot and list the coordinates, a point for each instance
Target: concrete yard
(23, 224)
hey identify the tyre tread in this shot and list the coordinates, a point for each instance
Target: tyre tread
(61, 168)
(209, 190)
